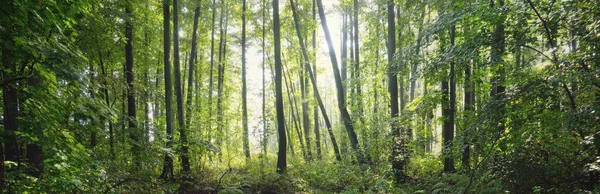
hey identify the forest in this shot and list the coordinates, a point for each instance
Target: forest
(300, 96)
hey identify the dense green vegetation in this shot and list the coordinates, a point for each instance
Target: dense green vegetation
(300, 96)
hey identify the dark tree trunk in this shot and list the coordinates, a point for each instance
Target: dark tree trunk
(185, 161)
(167, 172)
(131, 111)
(448, 109)
(244, 100)
(192, 67)
(93, 134)
(397, 164)
(281, 155)
(340, 90)
(496, 54)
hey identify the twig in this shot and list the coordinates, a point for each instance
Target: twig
(538, 51)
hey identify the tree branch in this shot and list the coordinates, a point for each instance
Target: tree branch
(17, 79)
(538, 51)
(544, 23)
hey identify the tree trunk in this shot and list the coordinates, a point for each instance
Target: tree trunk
(93, 134)
(167, 172)
(305, 120)
(111, 139)
(281, 155)
(212, 67)
(315, 88)
(311, 75)
(221, 75)
(397, 164)
(185, 161)
(496, 54)
(400, 69)
(192, 67)
(244, 100)
(12, 152)
(448, 106)
(264, 102)
(293, 107)
(340, 90)
(131, 111)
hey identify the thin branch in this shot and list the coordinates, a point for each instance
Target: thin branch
(544, 23)
(538, 51)
(17, 79)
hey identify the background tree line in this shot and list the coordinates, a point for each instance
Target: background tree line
(220, 95)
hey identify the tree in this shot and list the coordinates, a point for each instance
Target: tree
(192, 66)
(397, 165)
(167, 172)
(315, 111)
(244, 100)
(340, 90)
(185, 161)
(281, 155)
(131, 109)
(264, 117)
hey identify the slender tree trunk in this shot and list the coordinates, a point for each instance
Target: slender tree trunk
(469, 110)
(212, 65)
(281, 155)
(264, 102)
(192, 67)
(400, 69)
(244, 100)
(111, 139)
(131, 110)
(340, 90)
(448, 109)
(305, 120)
(496, 54)
(311, 75)
(398, 164)
(221, 74)
(93, 134)
(293, 107)
(185, 161)
(167, 172)
(315, 88)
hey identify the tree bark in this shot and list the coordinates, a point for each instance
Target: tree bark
(264, 102)
(311, 75)
(111, 139)
(281, 155)
(131, 109)
(192, 67)
(167, 172)
(244, 100)
(185, 161)
(212, 67)
(398, 165)
(448, 109)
